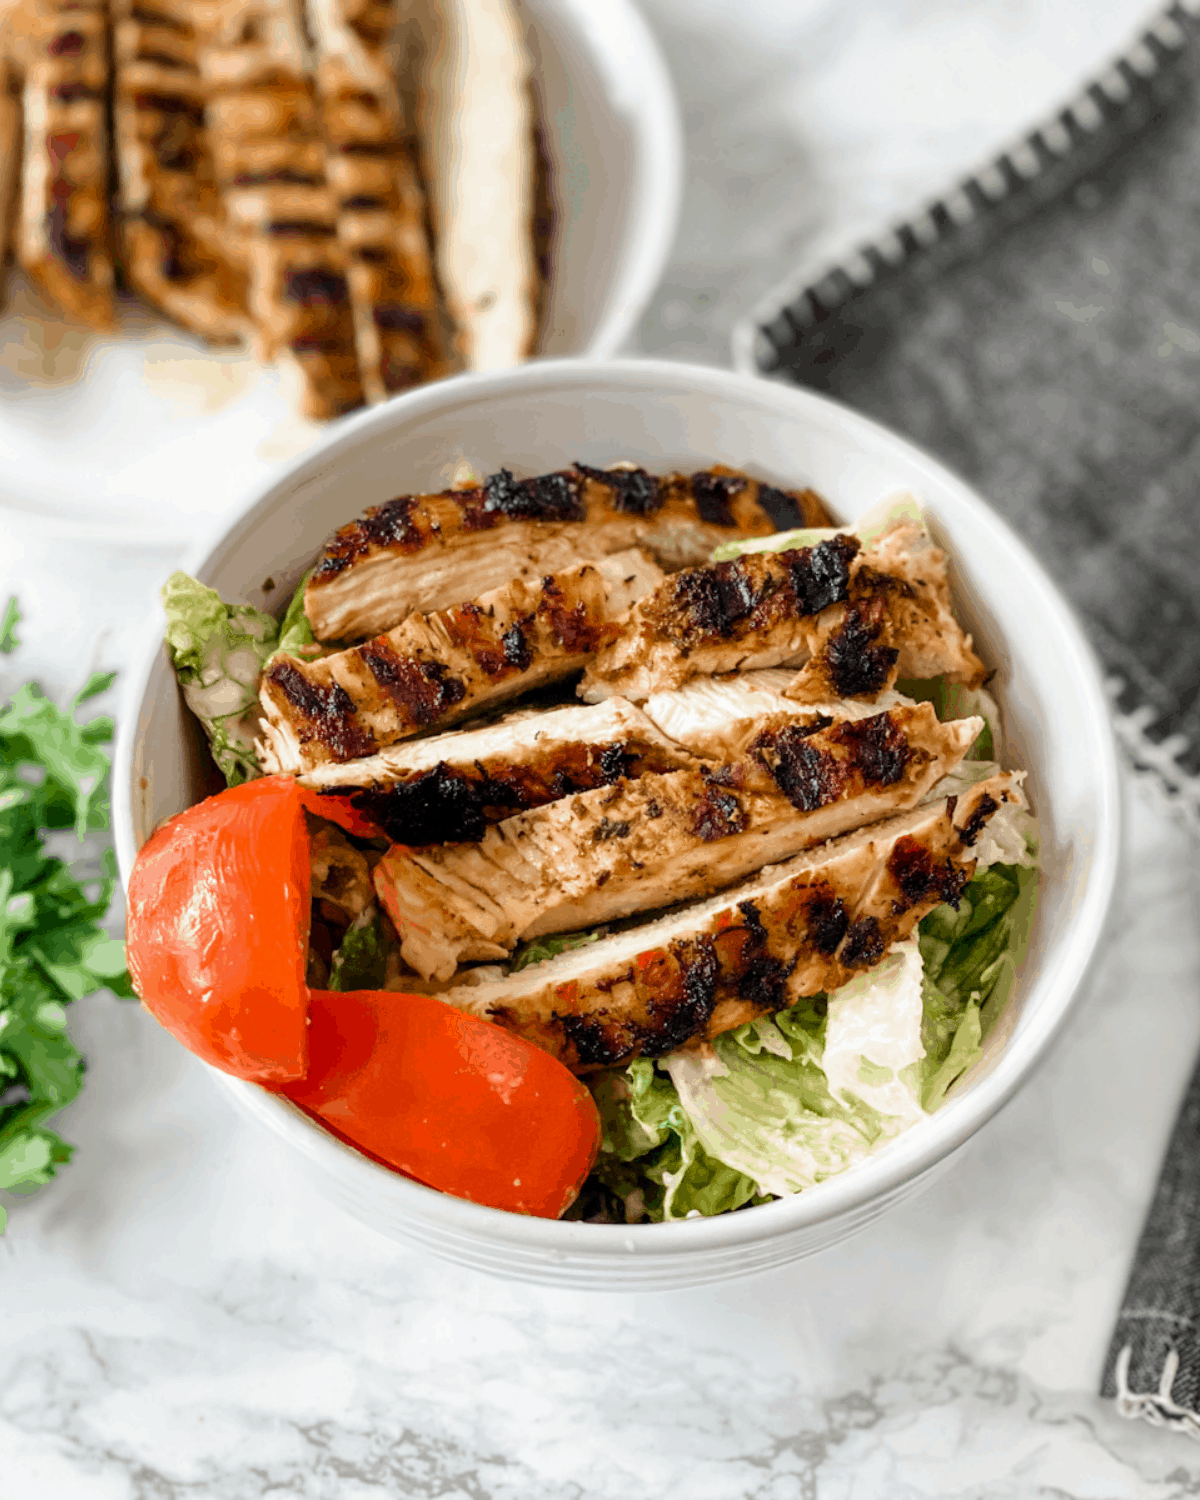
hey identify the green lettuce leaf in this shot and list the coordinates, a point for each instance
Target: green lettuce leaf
(786, 1101)
(218, 651)
(361, 961)
(537, 950)
(869, 526)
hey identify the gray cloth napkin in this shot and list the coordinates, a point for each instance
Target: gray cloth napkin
(1040, 330)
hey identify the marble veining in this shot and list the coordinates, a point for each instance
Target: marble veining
(180, 1317)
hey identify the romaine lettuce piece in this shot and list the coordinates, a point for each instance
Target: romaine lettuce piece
(218, 651)
(361, 961)
(868, 528)
(787, 1101)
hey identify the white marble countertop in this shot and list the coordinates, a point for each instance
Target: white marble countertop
(180, 1317)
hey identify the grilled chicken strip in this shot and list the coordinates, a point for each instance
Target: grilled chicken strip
(716, 718)
(63, 236)
(269, 157)
(476, 122)
(438, 668)
(427, 551)
(10, 154)
(861, 617)
(451, 787)
(664, 838)
(380, 206)
(178, 249)
(795, 929)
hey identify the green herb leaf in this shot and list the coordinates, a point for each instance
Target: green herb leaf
(539, 949)
(8, 627)
(53, 951)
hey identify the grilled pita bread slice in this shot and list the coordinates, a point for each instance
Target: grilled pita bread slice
(62, 239)
(792, 930)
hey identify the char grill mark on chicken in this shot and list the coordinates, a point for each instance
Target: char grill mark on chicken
(179, 250)
(270, 164)
(429, 550)
(795, 929)
(607, 853)
(439, 667)
(380, 206)
(453, 786)
(62, 237)
(857, 619)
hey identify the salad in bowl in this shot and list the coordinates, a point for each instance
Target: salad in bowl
(605, 843)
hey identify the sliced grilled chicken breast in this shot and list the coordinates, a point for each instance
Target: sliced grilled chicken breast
(10, 154)
(427, 551)
(178, 249)
(380, 206)
(604, 854)
(451, 787)
(440, 667)
(861, 617)
(793, 930)
(269, 156)
(897, 621)
(718, 717)
(62, 238)
(476, 123)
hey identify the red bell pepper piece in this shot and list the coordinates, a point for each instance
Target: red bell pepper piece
(449, 1099)
(217, 929)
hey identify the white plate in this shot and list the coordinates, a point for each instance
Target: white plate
(152, 431)
(666, 415)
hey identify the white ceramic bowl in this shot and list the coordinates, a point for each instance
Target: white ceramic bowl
(665, 415)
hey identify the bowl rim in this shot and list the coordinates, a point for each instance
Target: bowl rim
(904, 1159)
(657, 198)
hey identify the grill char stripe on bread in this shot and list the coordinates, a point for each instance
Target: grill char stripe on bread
(795, 929)
(604, 854)
(179, 252)
(63, 233)
(437, 668)
(860, 618)
(452, 786)
(428, 551)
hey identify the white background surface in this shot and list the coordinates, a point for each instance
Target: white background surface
(179, 1317)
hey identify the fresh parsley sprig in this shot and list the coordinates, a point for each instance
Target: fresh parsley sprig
(53, 949)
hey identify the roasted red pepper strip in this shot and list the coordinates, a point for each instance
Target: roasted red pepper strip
(217, 937)
(449, 1099)
(217, 929)
(339, 809)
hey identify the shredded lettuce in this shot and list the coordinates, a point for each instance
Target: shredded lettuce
(218, 651)
(788, 1101)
